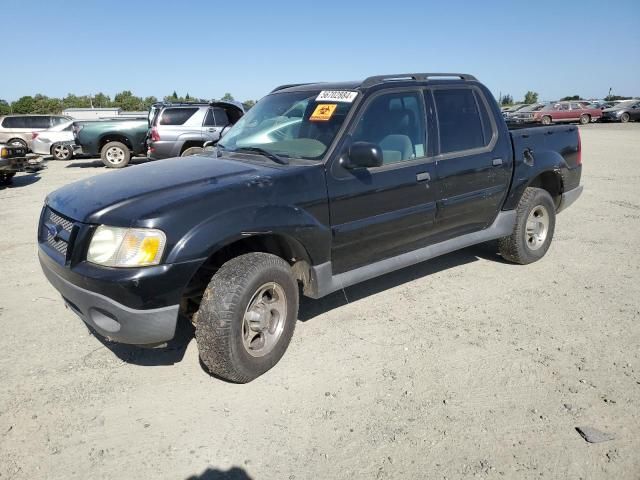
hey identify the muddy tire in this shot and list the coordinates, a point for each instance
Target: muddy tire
(546, 120)
(533, 230)
(115, 155)
(247, 317)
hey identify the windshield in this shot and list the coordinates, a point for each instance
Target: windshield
(291, 124)
(625, 104)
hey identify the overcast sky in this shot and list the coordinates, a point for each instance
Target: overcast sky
(207, 48)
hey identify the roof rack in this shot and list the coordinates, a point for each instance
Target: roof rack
(289, 85)
(418, 77)
(169, 104)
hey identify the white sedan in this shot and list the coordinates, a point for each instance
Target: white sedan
(56, 141)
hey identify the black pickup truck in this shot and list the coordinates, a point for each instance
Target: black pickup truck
(318, 187)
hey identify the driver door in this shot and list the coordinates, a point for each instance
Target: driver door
(384, 211)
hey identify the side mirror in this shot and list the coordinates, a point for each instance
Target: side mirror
(363, 155)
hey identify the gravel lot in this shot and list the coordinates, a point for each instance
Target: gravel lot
(462, 367)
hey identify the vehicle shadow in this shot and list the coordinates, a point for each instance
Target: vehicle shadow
(22, 180)
(234, 473)
(169, 354)
(97, 163)
(310, 308)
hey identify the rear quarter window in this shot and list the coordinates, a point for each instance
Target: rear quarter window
(176, 116)
(38, 122)
(14, 122)
(460, 120)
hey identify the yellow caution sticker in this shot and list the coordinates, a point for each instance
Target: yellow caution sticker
(323, 112)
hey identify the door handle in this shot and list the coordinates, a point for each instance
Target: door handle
(497, 162)
(423, 176)
(211, 129)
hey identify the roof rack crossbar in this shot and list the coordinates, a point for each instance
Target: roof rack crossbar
(418, 77)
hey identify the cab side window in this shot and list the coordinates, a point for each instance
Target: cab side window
(463, 121)
(395, 122)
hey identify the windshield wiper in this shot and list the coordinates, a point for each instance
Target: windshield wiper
(266, 153)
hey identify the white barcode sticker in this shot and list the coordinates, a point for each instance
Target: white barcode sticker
(336, 96)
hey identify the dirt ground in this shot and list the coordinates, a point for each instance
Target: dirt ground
(462, 367)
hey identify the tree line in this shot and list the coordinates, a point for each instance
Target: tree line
(125, 100)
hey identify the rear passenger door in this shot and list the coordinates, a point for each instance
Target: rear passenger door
(384, 211)
(472, 166)
(214, 122)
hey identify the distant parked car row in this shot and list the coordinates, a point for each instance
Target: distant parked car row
(580, 111)
(169, 130)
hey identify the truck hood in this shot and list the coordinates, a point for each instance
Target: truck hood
(127, 197)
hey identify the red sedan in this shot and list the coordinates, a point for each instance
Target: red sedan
(567, 112)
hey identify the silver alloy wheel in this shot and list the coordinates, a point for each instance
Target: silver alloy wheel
(263, 320)
(624, 118)
(115, 155)
(61, 152)
(537, 227)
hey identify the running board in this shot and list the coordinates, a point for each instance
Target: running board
(323, 282)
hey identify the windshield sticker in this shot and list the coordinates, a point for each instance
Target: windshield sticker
(337, 96)
(323, 112)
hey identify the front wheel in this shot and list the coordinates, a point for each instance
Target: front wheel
(61, 151)
(624, 118)
(584, 119)
(247, 316)
(115, 155)
(546, 120)
(533, 230)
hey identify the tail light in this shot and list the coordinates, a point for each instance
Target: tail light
(579, 155)
(155, 136)
(34, 135)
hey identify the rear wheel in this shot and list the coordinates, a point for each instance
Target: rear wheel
(533, 230)
(115, 155)
(192, 151)
(247, 316)
(17, 142)
(624, 118)
(546, 120)
(584, 119)
(60, 151)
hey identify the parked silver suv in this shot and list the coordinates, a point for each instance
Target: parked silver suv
(17, 129)
(180, 129)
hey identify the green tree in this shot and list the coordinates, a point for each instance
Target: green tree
(148, 101)
(248, 104)
(227, 97)
(100, 100)
(572, 97)
(127, 101)
(506, 100)
(23, 105)
(531, 97)
(74, 101)
(5, 108)
(611, 98)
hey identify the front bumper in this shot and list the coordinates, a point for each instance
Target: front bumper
(111, 318)
(568, 197)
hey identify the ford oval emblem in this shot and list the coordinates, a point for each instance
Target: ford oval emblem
(52, 230)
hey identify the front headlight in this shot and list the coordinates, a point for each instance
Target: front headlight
(126, 247)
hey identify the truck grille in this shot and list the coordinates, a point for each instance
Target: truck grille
(55, 232)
